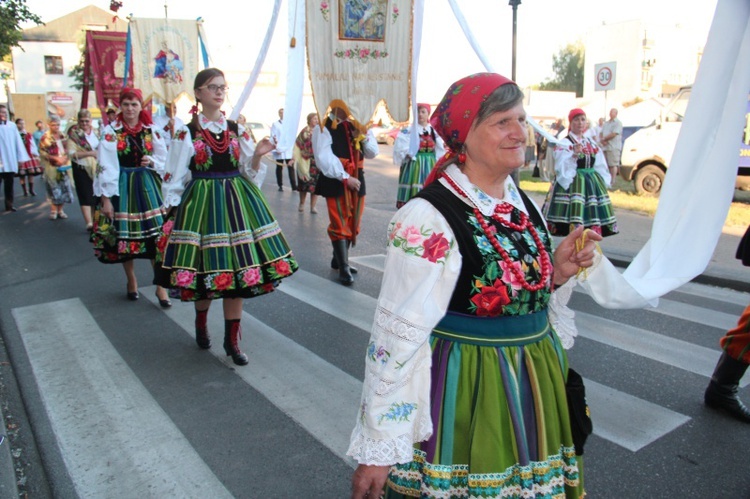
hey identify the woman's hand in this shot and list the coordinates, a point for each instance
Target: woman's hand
(353, 184)
(568, 260)
(147, 160)
(264, 147)
(107, 209)
(369, 481)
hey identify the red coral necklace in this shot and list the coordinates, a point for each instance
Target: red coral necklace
(219, 144)
(505, 208)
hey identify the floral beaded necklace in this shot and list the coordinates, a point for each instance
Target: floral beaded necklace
(505, 208)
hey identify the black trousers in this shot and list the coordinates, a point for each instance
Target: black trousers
(7, 178)
(280, 163)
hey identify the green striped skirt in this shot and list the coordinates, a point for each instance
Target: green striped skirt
(223, 242)
(586, 202)
(412, 175)
(137, 222)
(499, 412)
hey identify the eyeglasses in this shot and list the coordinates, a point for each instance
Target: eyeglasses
(216, 88)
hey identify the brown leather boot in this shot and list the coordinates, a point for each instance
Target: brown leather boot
(201, 329)
(232, 336)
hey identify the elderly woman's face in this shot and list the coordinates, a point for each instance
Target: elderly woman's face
(499, 142)
(85, 123)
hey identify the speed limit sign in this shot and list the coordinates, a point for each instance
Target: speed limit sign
(604, 75)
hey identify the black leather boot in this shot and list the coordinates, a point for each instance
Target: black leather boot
(341, 255)
(232, 335)
(722, 390)
(335, 264)
(201, 329)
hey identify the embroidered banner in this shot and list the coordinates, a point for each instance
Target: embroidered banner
(165, 56)
(360, 51)
(105, 55)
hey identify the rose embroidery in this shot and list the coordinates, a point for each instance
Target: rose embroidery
(184, 278)
(282, 267)
(223, 281)
(251, 277)
(490, 300)
(435, 247)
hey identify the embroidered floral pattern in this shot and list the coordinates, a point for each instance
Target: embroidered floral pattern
(377, 354)
(362, 54)
(395, 13)
(203, 155)
(422, 242)
(325, 10)
(398, 412)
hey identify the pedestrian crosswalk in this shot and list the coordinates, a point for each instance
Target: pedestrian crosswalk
(96, 418)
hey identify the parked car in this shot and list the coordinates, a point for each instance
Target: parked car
(387, 135)
(258, 130)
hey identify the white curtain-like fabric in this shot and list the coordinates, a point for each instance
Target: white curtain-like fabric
(359, 52)
(416, 45)
(242, 100)
(166, 56)
(295, 76)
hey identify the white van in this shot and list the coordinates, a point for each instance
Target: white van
(646, 154)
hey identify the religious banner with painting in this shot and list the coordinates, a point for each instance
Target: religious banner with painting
(165, 56)
(360, 51)
(105, 56)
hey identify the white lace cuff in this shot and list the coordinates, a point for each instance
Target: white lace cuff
(560, 316)
(390, 451)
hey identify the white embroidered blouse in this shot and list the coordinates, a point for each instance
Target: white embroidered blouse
(566, 160)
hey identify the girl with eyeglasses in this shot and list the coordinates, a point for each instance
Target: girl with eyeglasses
(222, 240)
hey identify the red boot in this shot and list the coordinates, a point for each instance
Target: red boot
(232, 335)
(201, 329)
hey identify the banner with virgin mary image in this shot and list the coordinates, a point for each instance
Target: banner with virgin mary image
(359, 51)
(165, 56)
(105, 56)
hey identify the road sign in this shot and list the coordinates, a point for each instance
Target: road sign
(604, 76)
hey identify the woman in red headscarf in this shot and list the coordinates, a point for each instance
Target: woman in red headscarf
(578, 196)
(465, 381)
(131, 163)
(416, 164)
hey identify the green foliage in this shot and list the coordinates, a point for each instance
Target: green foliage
(76, 71)
(568, 67)
(12, 14)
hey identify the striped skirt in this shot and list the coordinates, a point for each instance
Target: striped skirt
(137, 222)
(223, 242)
(499, 412)
(585, 202)
(412, 175)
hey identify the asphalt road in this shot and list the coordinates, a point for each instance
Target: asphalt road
(108, 398)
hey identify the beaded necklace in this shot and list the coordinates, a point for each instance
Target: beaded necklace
(505, 208)
(220, 144)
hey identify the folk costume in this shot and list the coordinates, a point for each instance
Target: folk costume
(33, 166)
(134, 190)
(414, 168)
(465, 372)
(304, 160)
(84, 169)
(58, 178)
(578, 196)
(339, 156)
(223, 241)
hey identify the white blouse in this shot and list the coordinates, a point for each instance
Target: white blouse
(414, 296)
(566, 161)
(327, 162)
(181, 151)
(107, 180)
(403, 141)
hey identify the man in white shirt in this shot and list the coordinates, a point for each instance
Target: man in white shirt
(611, 142)
(168, 123)
(282, 158)
(12, 152)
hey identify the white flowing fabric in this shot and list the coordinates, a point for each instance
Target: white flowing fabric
(698, 190)
(416, 45)
(295, 76)
(258, 63)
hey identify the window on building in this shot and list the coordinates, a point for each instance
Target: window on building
(53, 65)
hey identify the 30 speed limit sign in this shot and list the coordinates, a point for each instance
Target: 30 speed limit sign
(605, 76)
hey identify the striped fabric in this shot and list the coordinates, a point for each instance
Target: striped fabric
(737, 341)
(345, 215)
(500, 410)
(225, 242)
(585, 202)
(138, 218)
(412, 175)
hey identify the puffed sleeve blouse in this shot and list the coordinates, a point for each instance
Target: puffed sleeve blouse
(181, 151)
(566, 161)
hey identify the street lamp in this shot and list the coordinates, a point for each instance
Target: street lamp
(514, 4)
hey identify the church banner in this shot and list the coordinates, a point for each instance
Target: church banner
(165, 56)
(360, 51)
(105, 55)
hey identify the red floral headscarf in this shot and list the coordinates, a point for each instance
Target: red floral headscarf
(424, 105)
(457, 111)
(575, 112)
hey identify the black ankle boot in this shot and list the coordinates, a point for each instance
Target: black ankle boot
(722, 390)
(341, 255)
(232, 335)
(335, 264)
(31, 189)
(201, 329)
(25, 192)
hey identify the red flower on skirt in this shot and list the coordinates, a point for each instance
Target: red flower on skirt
(491, 300)
(282, 267)
(222, 281)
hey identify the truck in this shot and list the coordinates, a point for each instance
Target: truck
(646, 154)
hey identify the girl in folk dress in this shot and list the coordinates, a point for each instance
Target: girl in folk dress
(83, 144)
(307, 170)
(28, 169)
(223, 241)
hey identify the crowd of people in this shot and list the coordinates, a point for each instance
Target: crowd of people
(467, 383)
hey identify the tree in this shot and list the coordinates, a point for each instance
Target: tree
(12, 14)
(76, 72)
(568, 67)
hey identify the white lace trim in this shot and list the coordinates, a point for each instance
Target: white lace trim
(387, 452)
(561, 317)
